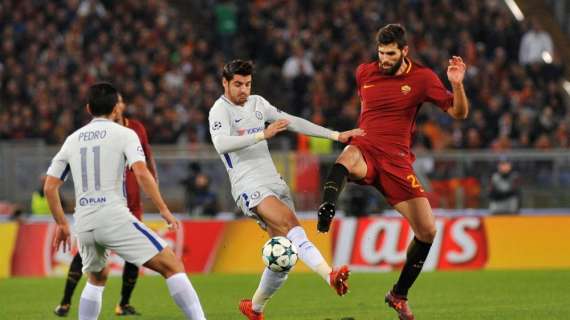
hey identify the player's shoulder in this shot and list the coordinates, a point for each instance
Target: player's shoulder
(256, 99)
(133, 123)
(219, 105)
(420, 68)
(367, 67)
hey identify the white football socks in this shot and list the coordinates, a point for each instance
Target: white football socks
(308, 253)
(185, 296)
(90, 302)
(270, 282)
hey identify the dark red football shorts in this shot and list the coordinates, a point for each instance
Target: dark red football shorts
(393, 177)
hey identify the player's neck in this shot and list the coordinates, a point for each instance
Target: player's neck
(232, 102)
(403, 67)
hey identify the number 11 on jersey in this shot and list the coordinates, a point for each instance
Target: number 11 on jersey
(96, 168)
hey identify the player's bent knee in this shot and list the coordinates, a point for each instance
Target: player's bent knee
(166, 263)
(99, 278)
(427, 234)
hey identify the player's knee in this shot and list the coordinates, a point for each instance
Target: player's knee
(427, 234)
(166, 263)
(98, 278)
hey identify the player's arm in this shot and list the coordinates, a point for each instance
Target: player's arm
(456, 74)
(146, 181)
(56, 175)
(306, 127)
(135, 155)
(224, 142)
(51, 191)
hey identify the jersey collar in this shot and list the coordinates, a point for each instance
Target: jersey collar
(96, 119)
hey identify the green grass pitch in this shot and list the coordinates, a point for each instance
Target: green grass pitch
(477, 295)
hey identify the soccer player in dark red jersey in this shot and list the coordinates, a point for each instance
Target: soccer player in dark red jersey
(392, 90)
(130, 271)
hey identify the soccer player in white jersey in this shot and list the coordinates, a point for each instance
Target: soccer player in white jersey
(237, 126)
(96, 155)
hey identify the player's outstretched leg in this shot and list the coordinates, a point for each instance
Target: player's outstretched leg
(333, 186)
(167, 264)
(270, 282)
(130, 276)
(73, 277)
(310, 255)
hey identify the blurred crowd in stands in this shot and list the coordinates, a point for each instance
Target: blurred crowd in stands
(166, 58)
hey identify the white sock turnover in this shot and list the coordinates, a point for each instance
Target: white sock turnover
(185, 296)
(308, 253)
(90, 302)
(270, 282)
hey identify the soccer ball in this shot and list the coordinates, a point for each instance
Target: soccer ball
(279, 254)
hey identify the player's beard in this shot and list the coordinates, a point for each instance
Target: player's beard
(392, 70)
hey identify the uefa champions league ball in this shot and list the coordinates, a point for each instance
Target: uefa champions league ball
(279, 254)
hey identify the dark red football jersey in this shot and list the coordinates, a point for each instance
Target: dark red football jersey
(133, 191)
(390, 104)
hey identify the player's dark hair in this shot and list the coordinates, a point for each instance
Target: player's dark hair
(392, 33)
(102, 98)
(241, 67)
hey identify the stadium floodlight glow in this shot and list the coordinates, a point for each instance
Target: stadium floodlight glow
(515, 10)
(546, 57)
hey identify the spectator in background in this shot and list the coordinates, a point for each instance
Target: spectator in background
(536, 45)
(200, 200)
(505, 193)
(39, 205)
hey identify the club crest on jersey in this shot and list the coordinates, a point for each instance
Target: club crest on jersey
(255, 195)
(258, 115)
(216, 125)
(405, 89)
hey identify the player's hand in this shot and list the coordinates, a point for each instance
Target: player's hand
(173, 223)
(62, 235)
(275, 127)
(346, 135)
(456, 70)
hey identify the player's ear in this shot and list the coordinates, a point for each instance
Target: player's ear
(405, 51)
(88, 108)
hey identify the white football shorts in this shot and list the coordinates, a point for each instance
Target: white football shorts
(249, 199)
(131, 240)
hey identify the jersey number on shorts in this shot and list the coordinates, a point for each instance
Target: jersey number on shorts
(414, 182)
(96, 167)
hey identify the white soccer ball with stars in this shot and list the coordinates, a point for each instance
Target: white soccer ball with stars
(279, 254)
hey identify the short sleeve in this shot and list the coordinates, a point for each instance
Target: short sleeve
(59, 167)
(437, 93)
(133, 149)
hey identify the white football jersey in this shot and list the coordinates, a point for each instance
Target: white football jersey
(250, 166)
(96, 155)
